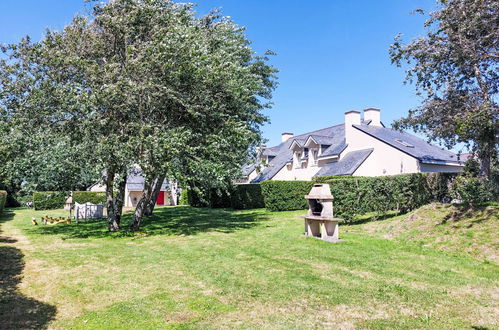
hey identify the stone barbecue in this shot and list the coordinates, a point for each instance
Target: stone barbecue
(319, 222)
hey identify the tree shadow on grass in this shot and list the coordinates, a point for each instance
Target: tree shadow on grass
(182, 220)
(16, 310)
(370, 217)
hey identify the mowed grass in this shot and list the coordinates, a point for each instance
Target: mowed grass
(202, 268)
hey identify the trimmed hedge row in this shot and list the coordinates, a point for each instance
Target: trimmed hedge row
(285, 195)
(94, 197)
(247, 196)
(3, 199)
(46, 200)
(358, 195)
(379, 194)
(243, 196)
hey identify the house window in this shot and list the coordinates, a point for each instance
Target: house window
(305, 150)
(315, 156)
(324, 147)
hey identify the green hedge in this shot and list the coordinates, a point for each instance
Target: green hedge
(247, 196)
(378, 194)
(285, 195)
(3, 199)
(212, 198)
(94, 197)
(359, 195)
(46, 200)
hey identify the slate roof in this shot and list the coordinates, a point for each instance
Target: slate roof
(321, 139)
(247, 169)
(347, 165)
(420, 149)
(270, 151)
(335, 135)
(334, 149)
(284, 155)
(135, 182)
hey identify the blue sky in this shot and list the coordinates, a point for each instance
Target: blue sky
(332, 54)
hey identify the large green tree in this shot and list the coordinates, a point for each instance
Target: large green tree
(455, 68)
(145, 83)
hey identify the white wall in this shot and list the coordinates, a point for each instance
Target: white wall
(384, 160)
(98, 187)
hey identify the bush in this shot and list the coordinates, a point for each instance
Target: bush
(184, 198)
(471, 190)
(3, 199)
(213, 198)
(285, 195)
(11, 201)
(94, 197)
(440, 185)
(247, 196)
(359, 195)
(46, 200)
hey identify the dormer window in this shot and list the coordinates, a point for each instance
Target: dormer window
(324, 147)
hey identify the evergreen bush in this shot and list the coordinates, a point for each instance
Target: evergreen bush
(247, 196)
(285, 195)
(359, 195)
(94, 197)
(46, 200)
(472, 190)
(3, 199)
(184, 198)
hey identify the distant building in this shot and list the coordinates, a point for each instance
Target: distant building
(358, 147)
(134, 189)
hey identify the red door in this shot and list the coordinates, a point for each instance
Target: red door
(161, 198)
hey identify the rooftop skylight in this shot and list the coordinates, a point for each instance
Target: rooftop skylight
(405, 144)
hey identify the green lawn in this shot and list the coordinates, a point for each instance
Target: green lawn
(201, 268)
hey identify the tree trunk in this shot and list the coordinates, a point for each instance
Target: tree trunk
(485, 166)
(113, 225)
(151, 203)
(120, 198)
(141, 206)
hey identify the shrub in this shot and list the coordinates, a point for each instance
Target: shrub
(46, 200)
(247, 196)
(471, 190)
(219, 198)
(213, 198)
(11, 201)
(285, 195)
(359, 195)
(440, 185)
(94, 197)
(184, 199)
(3, 199)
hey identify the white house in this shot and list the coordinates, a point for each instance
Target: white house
(135, 188)
(359, 147)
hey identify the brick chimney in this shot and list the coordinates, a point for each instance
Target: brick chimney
(286, 136)
(373, 114)
(352, 117)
